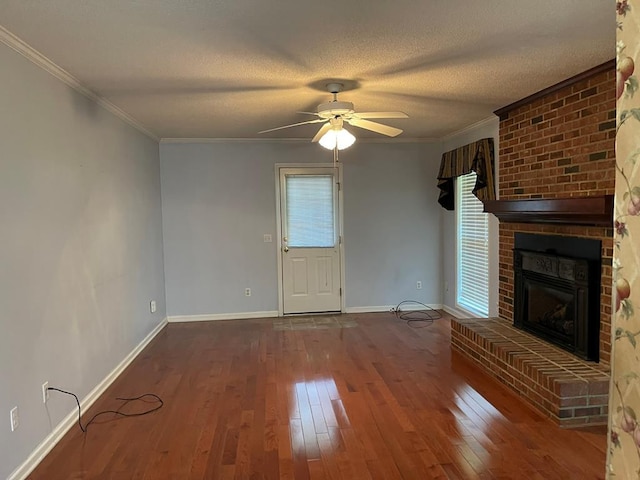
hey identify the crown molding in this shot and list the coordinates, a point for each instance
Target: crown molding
(481, 123)
(398, 140)
(169, 140)
(12, 41)
(232, 140)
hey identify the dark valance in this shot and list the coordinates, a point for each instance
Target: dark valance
(477, 157)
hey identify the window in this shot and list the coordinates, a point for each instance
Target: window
(472, 292)
(310, 212)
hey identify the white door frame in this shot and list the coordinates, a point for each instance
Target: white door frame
(310, 167)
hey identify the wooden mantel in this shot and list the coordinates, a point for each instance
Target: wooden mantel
(593, 210)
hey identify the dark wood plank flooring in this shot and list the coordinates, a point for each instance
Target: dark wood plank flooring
(381, 400)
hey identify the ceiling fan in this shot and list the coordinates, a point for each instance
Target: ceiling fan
(335, 113)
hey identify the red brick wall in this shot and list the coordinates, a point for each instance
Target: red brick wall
(560, 145)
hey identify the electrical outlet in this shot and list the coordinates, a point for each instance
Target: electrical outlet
(418, 285)
(152, 306)
(247, 292)
(15, 420)
(267, 238)
(446, 286)
(45, 392)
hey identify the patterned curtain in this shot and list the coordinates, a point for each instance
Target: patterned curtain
(477, 157)
(623, 459)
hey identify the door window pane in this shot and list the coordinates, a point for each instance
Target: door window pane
(310, 217)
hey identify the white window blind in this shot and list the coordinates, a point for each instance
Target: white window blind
(310, 214)
(473, 249)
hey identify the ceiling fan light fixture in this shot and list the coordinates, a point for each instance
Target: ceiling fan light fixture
(335, 113)
(337, 137)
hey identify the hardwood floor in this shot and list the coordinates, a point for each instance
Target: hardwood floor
(381, 400)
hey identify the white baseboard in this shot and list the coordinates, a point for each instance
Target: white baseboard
(221, 316)
(71, 420)
(387, 308)
(382, 308)
(273, 313)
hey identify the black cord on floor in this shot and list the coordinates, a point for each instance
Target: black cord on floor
(423, 317)
(115, 412)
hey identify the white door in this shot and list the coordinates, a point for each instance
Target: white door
(309, 240)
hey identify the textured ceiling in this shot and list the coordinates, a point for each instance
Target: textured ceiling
(230, 68)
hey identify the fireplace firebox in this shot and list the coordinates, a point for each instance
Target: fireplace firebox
(557, 291)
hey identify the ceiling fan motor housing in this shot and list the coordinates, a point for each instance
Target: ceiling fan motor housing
(333, 109)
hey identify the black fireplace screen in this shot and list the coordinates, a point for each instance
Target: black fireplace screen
(550, 309)
(557, 298)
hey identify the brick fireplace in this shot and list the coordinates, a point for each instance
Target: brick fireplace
(560, 145)
(555, 147)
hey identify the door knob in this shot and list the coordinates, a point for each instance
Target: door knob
(286, 249)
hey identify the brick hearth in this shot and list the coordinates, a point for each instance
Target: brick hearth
(571, 391)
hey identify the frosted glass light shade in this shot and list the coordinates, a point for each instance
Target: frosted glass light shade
(341, 137)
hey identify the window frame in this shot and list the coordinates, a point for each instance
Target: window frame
(463, 195)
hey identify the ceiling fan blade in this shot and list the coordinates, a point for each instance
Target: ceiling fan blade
(374, 127)
(317, 120)
(324, 129)
(309, 113)
(380, 115)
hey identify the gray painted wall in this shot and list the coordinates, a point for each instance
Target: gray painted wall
(392, 224)
(485, 129)
(81, 248)
(218, 200)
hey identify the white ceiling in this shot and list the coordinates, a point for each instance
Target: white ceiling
(230, 68)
